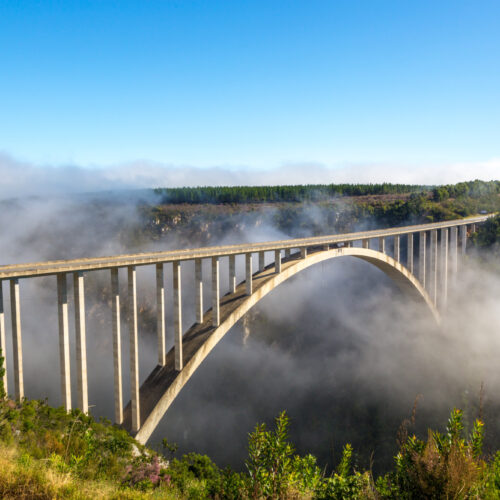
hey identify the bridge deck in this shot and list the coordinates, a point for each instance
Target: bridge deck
(89, 264)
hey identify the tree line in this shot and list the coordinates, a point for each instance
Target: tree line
(319, 192)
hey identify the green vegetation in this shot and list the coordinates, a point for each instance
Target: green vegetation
(47, 453)
(487, 236)
(319, 192)
(273, 194)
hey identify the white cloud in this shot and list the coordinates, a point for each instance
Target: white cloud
(22, 178)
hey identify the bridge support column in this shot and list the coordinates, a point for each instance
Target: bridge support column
(198, 285)
(277, 261)
(381, 244)
(17, 344)
(326, 247)
(232, 274)
(288, 253)
(248, 273)
(81, 341)
(434, 267)
(62, 309)
(177, 315)
(472, 228)
(397, 248)
(409, 252)
(443, 268)
(303, 253)
(117, 345)
(262, 262)
(215, 292)
(160, 313)
(463, 239)
(2, 340)
(454, 251)
(365, 243)
(422, 237)
(134, 349)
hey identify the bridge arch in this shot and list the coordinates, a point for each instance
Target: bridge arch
(164, 383)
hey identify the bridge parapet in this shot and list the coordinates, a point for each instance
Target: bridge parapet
(438, 257)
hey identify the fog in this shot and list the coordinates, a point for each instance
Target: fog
(22, 178)
(337, 346)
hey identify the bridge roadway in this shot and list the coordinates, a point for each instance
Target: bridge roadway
(140, 259)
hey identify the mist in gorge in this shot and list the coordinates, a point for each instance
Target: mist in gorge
(337, 346)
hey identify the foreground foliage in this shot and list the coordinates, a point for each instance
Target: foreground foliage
(48, 453)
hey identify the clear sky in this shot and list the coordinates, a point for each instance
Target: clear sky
(249, 83)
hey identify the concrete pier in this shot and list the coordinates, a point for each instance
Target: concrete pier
(81, 342)
(433, 277)
(303, 252)
(134, 348)
(453, 251)
(64, 363)
(277, 261)
(365, 243)
(421, 257)
(176, 268)
(160, 313)
(397, 248)
(248, 273)
(409, 253)
(463, 239)
(443, 269)
(215, 292)
(2, 340)
(232, 274)
(381, 245)
(198, 286)
(288, 253)
(262, 262)
(117, 346)
(17, 343)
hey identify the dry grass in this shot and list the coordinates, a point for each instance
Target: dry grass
(24, 478)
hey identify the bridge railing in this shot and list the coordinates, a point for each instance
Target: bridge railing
(444, 257)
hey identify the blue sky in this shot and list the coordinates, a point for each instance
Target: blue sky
(258, 84)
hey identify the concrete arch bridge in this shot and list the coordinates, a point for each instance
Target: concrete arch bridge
(432, 254)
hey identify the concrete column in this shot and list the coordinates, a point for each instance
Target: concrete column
(277, 261)
(160, 313)
(17, 345)
(232, 274)
(262, 263)
(326, 247)
(288, 253)
(134, 349)
(81, 342)
(117, 345)
(434, 266)
(396, 248)
(303, 253)
(472, 228)
(365, 243)
(422, 237)
(409, 253)
(381, 244)
(463, 239)
(248, 273)
(443, 268)
(454, 250)
(177, 315)
(2, 340)
(62, 310)
(215, 292)
(198, 285)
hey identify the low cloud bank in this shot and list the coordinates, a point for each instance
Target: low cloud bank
(22, 178)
